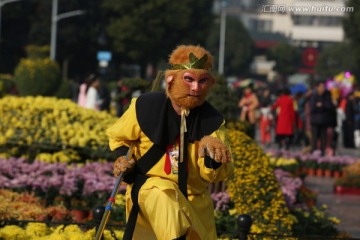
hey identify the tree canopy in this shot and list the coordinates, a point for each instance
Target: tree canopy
(239, 46)
(351, 24)
(147, 31)
(335, 59)
(136, 32)
(286, 56)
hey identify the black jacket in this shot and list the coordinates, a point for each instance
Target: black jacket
(324, 114)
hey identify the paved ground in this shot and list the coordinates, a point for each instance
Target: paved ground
(344, 207)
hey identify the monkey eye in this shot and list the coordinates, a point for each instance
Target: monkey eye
(203, 80)
(188, 78)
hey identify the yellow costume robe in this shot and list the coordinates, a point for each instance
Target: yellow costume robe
(165, 213)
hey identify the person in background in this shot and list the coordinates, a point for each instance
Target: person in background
(104, 95)
(285, 121)
(248, 105)
(92, 95)
(321, 105)
(357, 119)
(349, 121)
(266, 117)
(299, 121)
(331, 133)
(306, 116)
(81, 99)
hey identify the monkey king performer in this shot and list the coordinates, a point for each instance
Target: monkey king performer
(180, 147)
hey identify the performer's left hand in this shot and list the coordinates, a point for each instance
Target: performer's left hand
(214, 148)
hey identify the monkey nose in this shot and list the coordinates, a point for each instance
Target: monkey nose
(194, 86)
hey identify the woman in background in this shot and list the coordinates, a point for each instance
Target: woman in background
(92, 95)
(266, 117)
(248, 105)
(285, 122)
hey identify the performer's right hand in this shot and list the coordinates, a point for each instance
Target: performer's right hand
(122, 165)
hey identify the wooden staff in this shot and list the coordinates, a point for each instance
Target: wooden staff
(111, 200)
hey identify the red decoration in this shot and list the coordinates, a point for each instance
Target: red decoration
(310, 56)
(347, 190)
(167, 166)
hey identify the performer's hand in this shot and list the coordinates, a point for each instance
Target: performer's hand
(214, 148)
(122, 165)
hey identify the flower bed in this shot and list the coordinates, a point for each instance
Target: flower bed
(76, 186)
(350, 182)
(26, 206)
(35, 125)
(254, 189)
(310, 164)
(60, 132)
(40, 231)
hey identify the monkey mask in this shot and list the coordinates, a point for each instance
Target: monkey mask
(189, 80)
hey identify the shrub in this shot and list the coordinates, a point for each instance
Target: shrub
(315, 221)
(7, 85)
(136, 83)
(64, 90)
(224, 99)
(37, 75)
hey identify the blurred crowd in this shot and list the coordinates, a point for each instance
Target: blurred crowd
(313, 118)
(318, 118)
(95, 94)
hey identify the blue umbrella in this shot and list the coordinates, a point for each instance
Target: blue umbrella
(298, 88)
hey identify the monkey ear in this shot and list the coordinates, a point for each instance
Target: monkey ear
(169, 79)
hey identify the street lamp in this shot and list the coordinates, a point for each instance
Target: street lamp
(2, 3)
(54, 19)
(222, 37)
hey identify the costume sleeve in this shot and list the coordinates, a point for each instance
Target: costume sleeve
(212, 171)
(125, 129)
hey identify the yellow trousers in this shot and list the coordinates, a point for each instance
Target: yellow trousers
(166, 214)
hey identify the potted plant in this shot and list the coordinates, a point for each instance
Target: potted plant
(311, 165)
(350, 182)
(323, 167)
(335, 168)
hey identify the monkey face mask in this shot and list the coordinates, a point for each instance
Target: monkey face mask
(189, 80)
(188, 88)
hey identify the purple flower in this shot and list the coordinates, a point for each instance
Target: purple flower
(289, 186)
(221, 201)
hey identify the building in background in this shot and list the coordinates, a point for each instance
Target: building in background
(309, 25)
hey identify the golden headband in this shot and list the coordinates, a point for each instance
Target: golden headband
(195, 63)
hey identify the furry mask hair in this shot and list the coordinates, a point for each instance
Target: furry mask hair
(188, 60)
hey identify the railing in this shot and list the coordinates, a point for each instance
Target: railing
(242, 232)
